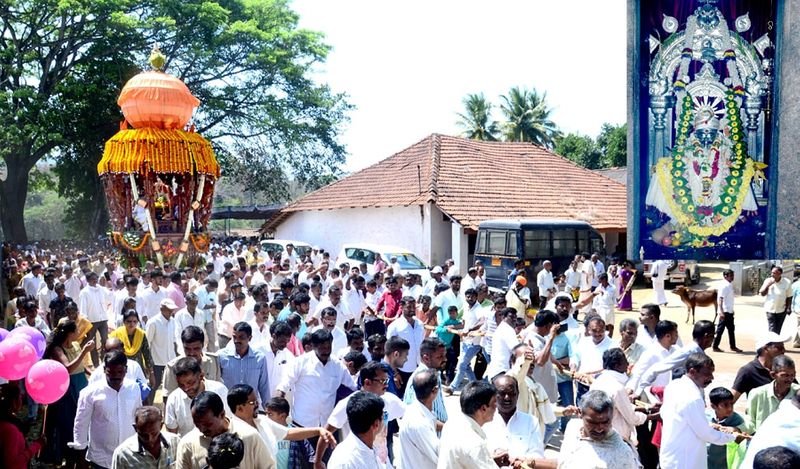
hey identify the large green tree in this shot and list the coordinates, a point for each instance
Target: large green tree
(246, 60)
(580, 149)
(613, 144)
(527, 118)
(476, 120)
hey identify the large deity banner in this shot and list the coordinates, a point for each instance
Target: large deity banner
(705, 120)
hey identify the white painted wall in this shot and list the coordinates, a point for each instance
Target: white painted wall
(459, 249)
(399, 226)
(440, 236)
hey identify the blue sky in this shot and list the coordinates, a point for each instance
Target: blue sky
(406, 65)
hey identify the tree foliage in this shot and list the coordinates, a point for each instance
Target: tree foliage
(476, 119)
(608, 150)
(613, 143)
(581, 149)
(527, 118)
(246, 60)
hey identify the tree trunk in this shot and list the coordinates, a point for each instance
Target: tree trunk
(13, 192)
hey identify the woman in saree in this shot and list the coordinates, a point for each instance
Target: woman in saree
(135, 344)
(63, 348)
(627, 276)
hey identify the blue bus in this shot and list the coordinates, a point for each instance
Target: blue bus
(501, 242)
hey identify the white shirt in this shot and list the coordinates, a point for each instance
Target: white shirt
(104, 419)
(232, 315)
(314, 388)
(271, 432)
(31, 284)
(133, 373)
(472, 317)
(781, 428)
(464, 445)
(151, 306)
(419, 443)
(544, 281)
(160, 333)
(625, 419)
(178, 411)
(775, 301)
(278, 365)
(727, 297)
(590, 355)
(415, 334)
(414, 291)
(45, 296)
(521, 436)
(261, 336)
(184, 319)
(355, 303)
(352, 453)
(578, 452)
(504, 340)
(573, 278)
(342, 316)
(686, 429)
(72, 286)
(393, 409)
(92, 303)
(605, 301)
(599, 268)
(652, 355)
(545, 374)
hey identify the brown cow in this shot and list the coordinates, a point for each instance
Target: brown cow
(693, 298)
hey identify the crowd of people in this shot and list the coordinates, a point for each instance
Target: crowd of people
(260, 359)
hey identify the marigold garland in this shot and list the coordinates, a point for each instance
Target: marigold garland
(131, 241)
(672, 177)
(161, 151)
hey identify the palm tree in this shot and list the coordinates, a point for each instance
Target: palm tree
(475, 120)
(528, 118)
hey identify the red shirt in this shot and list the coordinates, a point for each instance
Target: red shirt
(390, 303)
(15, 454)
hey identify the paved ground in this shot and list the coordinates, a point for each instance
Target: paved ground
(750, 322)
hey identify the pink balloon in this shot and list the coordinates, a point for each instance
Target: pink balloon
(47, 381)
(32, 335)
(17, 356)
(3, 334)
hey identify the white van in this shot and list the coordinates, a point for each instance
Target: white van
(356, 253)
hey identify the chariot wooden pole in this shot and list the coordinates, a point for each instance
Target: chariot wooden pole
(153, 241)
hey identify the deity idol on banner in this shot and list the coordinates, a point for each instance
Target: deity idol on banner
(706, 195)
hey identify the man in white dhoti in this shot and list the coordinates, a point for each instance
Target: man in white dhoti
(659, 276)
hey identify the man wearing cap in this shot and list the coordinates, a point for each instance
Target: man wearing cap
(436, 279)
(160, 331)
(519, 296)
(757, 372)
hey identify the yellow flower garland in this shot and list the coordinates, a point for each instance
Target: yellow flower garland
(665, 178)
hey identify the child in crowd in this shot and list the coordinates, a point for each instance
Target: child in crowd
(447, 337)
(288, 451)
(722, 413)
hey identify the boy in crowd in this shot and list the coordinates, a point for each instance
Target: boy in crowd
(443, 331)
(722, 413)
(295, 451)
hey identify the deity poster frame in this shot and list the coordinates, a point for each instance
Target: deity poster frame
(702, 111)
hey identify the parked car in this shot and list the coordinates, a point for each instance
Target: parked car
(356, 253)
(685, 272)
(279, 245)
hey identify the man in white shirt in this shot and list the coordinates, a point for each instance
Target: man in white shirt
(365, 414)
(412, 330)
(328, 318)
(160, 331)
(374, 379)
(260, 325)
(589, 353)
(32, 281)
(504, 341)
(573, 279)
(781, 429)
(604, 301)
(702, 336)
(686, 429)
(470, 280)
(92, 303)
(131, 290)
(152, 296)
(133, 372)
(612, 382)
(514, 431)
(46, 294)
(658, 271)
(191, 315)
(470, 346)
(233, 313)
(725, 307)
(105, 414)
(419, 443)
(313, 379)
(278, 358)
(410, 287)
(436, 279)
(599, 268)
(545, 284)
(777, 293)
(667, 334)
(191, 382)
(464, 444)
(72, 284)
(333, 300)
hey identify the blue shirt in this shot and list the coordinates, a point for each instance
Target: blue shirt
(284, 316)
(391, 387)
(250, 369)
(562, 347)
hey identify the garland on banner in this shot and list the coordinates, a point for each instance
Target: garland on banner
(131, 240)
(672, 176)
